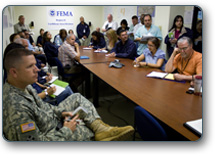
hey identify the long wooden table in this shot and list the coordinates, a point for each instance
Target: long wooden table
(166, 100)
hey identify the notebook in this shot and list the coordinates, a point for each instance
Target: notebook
(163, 75)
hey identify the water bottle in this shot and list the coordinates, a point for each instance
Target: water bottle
(197, 85)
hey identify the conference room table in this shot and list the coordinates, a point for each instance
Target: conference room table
(166, 100)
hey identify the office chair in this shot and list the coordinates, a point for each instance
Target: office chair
(147, 126)
(61, 70)
(50, 60)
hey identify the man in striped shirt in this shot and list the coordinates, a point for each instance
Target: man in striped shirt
(69, 53)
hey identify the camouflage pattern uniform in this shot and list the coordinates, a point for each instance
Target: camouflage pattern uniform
(27, 117)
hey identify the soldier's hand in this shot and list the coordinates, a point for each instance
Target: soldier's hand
(72, 123)
(67, 113)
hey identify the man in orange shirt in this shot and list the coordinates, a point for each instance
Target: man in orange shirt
(187, 61)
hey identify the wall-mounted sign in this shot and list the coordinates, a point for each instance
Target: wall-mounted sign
(60, 17)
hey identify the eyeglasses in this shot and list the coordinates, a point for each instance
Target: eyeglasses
(184, 49)
(149, 45)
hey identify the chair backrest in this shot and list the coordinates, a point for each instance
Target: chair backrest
(147, 126)
(50, 59)
(59, 66)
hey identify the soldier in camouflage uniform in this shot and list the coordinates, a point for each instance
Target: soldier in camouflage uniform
(27, 117)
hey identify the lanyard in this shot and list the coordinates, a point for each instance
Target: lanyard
(182, 69)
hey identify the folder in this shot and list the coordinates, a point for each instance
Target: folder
(84, 57)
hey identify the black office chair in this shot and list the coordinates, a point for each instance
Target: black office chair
(147, 126)
(50, 60)
(61, 70)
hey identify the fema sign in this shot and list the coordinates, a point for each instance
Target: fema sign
(60, 17)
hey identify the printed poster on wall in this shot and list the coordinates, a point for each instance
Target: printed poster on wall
(60, 18)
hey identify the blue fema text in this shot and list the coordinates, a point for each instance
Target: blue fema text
(60, 20)
(64, 13)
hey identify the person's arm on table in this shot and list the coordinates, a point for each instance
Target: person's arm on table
(169, 65)
(157, 65)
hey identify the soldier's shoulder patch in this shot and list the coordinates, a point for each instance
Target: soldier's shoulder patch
(29, 126)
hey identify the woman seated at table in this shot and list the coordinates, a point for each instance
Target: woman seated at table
(112, 39)
(50, 49)
(152, 56)
(97, 40)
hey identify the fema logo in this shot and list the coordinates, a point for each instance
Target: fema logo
(52, 12)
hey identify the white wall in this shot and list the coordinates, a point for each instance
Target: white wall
(119, 13)
(8, 20)
(38, 15)
(162, 21)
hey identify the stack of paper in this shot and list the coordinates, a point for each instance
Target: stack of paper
(100, 51)
(87, 48)
(155, 74)
(146, 37)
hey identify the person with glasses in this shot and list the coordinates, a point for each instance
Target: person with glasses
(152, 56)
(185, 60)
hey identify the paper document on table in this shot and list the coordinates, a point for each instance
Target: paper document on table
(170, 77)
(100, 51)
(87, 48)
(53, 79)
(146, 37)
(155, 74)
(59, 89)
(195, 126)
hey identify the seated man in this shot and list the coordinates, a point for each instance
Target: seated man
(69, 52)
(125, 48)
(69, 55)
(187, 61)
(27, 117)
(60, 38)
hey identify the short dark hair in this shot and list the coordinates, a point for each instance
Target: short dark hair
(20, 17)
(147, 15)
(134, 17)
(155, 41)
(124, 22)
(119, 32)
(14, 56)
(12, 37)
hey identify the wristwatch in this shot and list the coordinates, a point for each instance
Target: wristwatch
(46, 92)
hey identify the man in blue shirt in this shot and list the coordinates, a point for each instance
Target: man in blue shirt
(125, 48)
(83, 32)
(146, 30)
